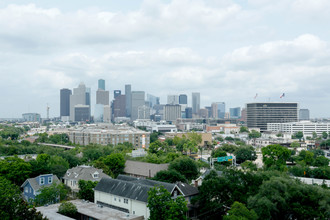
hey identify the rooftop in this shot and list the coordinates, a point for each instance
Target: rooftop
(89, 209)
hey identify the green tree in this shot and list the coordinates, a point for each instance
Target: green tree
(15, 169)
(275, 156)
(254, 135)
(229, 148)
(245, 153)
(306, 157)
(68, 209)
(112, 164)
(54, 193)
(58, 165)
(169, 176)
(285, 198)
(249, 165)
(154, 136)
(243, 129)
(162, 206)
(295, 144)
(324, 135)
(299, 135)
(86, 190)
(185, 166)
(239, 211)
(12, 205)
(321, 161)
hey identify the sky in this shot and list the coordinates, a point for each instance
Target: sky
(228, 50)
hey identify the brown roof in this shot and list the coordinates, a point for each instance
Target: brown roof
(138, 168)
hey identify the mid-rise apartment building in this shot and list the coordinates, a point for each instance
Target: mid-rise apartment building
(307, 127)
(113, 135)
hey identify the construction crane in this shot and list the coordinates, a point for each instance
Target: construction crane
(48, 111)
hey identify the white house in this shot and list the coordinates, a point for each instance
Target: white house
(83, 172)
(130, 194)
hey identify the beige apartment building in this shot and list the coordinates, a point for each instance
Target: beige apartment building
(114, 136)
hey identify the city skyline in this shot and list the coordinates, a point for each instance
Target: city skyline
(227, 51)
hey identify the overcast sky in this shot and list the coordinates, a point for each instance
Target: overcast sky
(227, 50)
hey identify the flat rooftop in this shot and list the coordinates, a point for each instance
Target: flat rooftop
(89, 209)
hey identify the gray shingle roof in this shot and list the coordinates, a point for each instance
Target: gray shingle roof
(187, 189)
(84, 173)
(124, 189)
(144, 169)
(137, 189)
(34, 184)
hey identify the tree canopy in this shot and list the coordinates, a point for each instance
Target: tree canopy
(162, 206)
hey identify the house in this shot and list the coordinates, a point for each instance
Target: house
(130, 194)
(31, 187)
(143, 169)
(83, 172)
(199, 180)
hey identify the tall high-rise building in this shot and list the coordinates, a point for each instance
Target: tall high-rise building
(101, 84)
(172, 99)
(119, 106)
(183, 99)
(303, 114)
(116, 93)
(235, 112)
(138, 99)
(153, 100)
(261, 113)
(143, 112)
(196, 102)
(65, 102)
(102, 97)
(172, 112)
(188, 112)
(221, 109)
(80, 96)
(128, 95)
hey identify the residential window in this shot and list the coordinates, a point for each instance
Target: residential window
(126, 201)
(50, 180)
(119, 200)
(26, 189)
(42, 180)
(115, 199)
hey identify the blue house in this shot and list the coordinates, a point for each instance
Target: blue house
(31, 187)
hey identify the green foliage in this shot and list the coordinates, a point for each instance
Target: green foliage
(218, 192)
(68, 209)
(86, 190)
(285, 198)
(249, 165)
(10, 132)
(238, 211)
(298, 135)
(15, 169)
(324, 135)
(185, 166)
(169, 176)
(228, 138)
(154, 136)
(275, 156)
(162, 206)
(295, 144)
(254, 134)
(243, 129)
(112, 164)
(321, 161)
(228, 148)
(245, 153)
(54, 193)
(12, 206)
